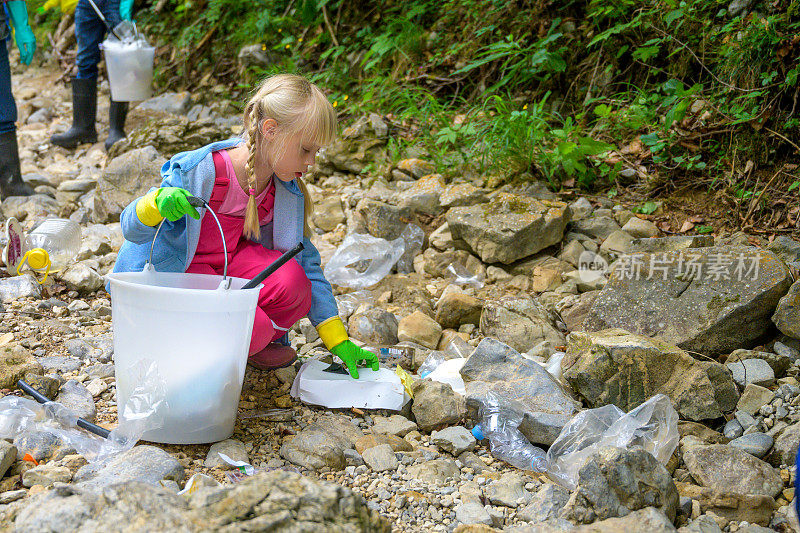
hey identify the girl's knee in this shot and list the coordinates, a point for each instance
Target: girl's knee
(291, 285)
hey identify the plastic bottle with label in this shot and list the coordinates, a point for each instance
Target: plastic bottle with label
(500, 425)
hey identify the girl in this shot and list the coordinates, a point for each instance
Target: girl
(255, 186)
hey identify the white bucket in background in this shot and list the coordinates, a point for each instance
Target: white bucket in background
(198, 334)
(130, 70)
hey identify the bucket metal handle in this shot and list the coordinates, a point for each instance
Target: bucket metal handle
(195, 201)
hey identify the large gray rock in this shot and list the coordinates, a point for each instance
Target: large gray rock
(648, 519)
(786, 248)
(125, 178)
(76, 397)
(175, 103)
(321, 444)
(374, 325)
(545, 505)
(380, 219)
(756, 509)
(8, 454)
(235, 449)
(42, 446)
(36, 207)
(787, 314)
(522, 323)
(170, 134)
(707, 300)
(725, 468)
(614, 482)
(436, 405)
(509, 227)
(270, 501)
(143, 463)
(508, 491)
(82, 278)
(437, 471)
(15, 362)
(423, 196)
(671, 244)
(523, 384)
(784, 451)
(620, 368)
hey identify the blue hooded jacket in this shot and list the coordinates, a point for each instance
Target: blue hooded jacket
(177, 241)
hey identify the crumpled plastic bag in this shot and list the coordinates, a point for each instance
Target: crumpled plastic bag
(348, 303)
(363, 260)
(652, 426)
(141, 413)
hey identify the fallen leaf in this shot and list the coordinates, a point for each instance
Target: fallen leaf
(687, 226)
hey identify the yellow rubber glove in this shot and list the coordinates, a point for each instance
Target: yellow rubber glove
(167, 202)
(332, 332)
(66, 6)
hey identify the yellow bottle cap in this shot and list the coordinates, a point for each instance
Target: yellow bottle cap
(38, 258)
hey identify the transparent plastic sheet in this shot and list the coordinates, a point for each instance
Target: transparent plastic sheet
(414, 238)
(652, 426)
(348, 303)
(363, 260)
(459, 275)
(21, 415)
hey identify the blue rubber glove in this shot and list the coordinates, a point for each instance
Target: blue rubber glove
(23, 35)
(126, 9)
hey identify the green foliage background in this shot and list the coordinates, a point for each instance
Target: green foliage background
(518, 89)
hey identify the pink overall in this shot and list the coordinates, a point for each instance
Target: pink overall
(286, 296)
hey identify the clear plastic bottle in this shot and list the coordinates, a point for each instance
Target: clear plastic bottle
(54, 243)
(500, 425)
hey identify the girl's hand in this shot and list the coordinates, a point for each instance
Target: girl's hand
(351, 355)
(172, 203)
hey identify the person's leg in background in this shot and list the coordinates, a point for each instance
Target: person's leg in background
(89, 31)
(117, 111)
(11, 183)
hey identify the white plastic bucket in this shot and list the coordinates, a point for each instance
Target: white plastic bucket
(130, 70)
(198, 333)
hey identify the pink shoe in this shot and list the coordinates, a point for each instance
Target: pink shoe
(273, 356)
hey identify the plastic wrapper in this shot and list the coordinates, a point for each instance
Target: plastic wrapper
(459, 275)
(652, 426)
(19, 416)
(363, 260)
(347, 303)
(414, 238)
(449, 372)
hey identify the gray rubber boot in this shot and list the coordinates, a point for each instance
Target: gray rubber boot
(11, 183)
(84, 114)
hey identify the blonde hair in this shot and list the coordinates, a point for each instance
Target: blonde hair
(297, 105)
